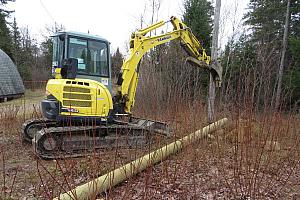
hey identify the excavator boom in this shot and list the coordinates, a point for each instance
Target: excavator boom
(140, 43)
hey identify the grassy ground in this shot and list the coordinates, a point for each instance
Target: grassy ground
(30, 97)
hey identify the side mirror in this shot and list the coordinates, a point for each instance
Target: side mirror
(69, 68)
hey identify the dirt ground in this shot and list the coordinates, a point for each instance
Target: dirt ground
(238, 162)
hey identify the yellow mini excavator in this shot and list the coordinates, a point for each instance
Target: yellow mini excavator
(80, 114)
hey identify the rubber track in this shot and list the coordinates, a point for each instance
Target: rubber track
(43, 122)
(106, 142)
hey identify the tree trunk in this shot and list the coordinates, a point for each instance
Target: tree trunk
(214, 55)
(284, 47)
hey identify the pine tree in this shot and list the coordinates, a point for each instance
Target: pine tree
(293, 76)
(198, 16)
(266, 19)
(16, 42)
(5, 39)
(2, 9)
(116, 62)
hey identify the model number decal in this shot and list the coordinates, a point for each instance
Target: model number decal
(164, 38)
(73, 110)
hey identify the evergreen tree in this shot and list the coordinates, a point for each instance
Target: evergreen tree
(16, 42)
(293, 76)
(198, 16)
(46, 46)
(116, 62)
(5, 39)
(295, 18)
(266, 19)
(47, 51)
(2, 9)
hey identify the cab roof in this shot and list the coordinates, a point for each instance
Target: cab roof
(79, 34)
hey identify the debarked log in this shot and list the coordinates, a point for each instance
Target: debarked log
(91, 189)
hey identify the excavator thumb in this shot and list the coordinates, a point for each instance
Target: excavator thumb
(213, 68)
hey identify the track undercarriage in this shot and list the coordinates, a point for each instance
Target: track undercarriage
(52, 140)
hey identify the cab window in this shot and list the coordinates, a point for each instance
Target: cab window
(58, 46)
(91, 55)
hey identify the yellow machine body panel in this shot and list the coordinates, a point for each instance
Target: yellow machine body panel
(81, 97)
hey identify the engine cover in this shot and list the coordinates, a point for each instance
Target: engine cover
(79, 97)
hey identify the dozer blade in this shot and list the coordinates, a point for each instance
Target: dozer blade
(76, 141)
(151, 125)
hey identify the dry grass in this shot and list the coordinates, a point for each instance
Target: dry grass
(255, 157)
(29, 98)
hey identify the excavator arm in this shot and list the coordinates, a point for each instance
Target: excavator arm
(140, 44)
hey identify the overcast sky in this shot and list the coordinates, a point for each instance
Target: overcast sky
(111, 19)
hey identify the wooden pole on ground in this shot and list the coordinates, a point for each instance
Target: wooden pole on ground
(91, 189)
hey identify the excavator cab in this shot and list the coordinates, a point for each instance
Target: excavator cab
(81, 86)
(91, 52)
